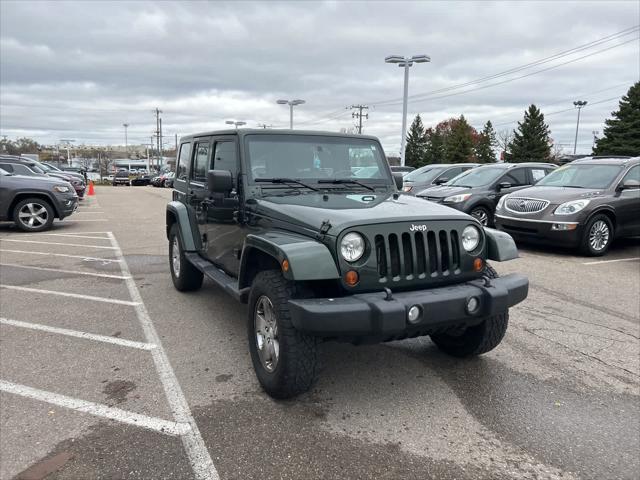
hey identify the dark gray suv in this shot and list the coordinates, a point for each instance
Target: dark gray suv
(33, 202)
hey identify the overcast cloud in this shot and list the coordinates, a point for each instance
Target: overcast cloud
(80, 69)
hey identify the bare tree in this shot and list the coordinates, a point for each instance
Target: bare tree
(503, 140)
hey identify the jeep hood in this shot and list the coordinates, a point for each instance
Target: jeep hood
(557, 195)
(345, 210)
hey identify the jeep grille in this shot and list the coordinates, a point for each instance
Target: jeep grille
(417, 255)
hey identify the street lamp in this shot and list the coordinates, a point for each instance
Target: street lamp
(126, 141)
(578, 104)
(237, 124)
(405, 62)
(291, 103)
(67, 142)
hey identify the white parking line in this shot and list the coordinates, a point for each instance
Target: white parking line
(598, 262)
(97, 409)
(59, 270)
(56, 243)
(71, 235)
(72, 295)
(67, 220)
(89, 213)
(77, 334)
(87, 259)
(197, 452)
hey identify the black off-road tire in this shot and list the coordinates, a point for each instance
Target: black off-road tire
(585, 245)
(297, 367)
(188, 278)
(477, 339)
(37, 204)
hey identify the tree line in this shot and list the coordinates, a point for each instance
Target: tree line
(456, 141)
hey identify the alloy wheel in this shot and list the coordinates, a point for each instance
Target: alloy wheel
(599, 235)
(33, 215)
(266, 334)
(175, 256)
(481, 215)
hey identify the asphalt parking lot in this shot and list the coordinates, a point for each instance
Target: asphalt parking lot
(106, 371)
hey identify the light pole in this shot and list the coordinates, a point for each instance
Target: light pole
(291, 103)
(405, 62)
(126, 140)
(67, 142)
(237, 124)
(578, 104)
(595, 138)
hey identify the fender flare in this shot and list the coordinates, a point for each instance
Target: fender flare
(308, 259)
(177, 213)
(500, 245)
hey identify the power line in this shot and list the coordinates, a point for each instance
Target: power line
(541, 61)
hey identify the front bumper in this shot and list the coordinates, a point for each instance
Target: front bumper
(373, 315)
(67, 205)
(540, 231)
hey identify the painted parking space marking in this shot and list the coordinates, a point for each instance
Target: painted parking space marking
(77, 334)
(83, 220)
(83, 257)
(97, 409)
(60, 270)
(598, 262)
(67, 235)
(192, 441)
(56, 243)
(72, 295)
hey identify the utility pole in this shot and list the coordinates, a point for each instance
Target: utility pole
(595, 138)
(264, 126)
(359, 115)
(158, 134)
(578, 104)
(160, 151)
(126, 141)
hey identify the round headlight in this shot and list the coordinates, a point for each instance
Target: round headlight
(470, 238)
(352, 246)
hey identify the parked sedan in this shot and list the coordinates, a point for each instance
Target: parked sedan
(584, 204)
(434, 174)
(477, 191)
(141, 180)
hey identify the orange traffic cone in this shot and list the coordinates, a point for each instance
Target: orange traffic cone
(91, 190)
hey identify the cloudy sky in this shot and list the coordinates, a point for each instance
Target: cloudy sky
(80, 70)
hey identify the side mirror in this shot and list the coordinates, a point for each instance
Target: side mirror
(629, 185)
(219, 181)
(503, 185)
(441, 180)
(397, 178)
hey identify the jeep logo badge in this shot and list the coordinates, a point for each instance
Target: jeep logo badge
(417, 228)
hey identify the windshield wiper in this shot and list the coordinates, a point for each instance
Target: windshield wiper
(285, 181)
(346, 180)
(573, 186)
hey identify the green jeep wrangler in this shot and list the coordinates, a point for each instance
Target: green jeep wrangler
(311, 230)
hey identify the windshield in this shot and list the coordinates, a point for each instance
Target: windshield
(312, 158)
(424, 174)
(582, 176)
(36, 168)
(477, 177)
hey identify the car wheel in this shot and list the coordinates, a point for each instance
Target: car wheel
(33, 215)
(185, 277)
(477, 339)
(483, 215)
(597, 236)
(285, 360)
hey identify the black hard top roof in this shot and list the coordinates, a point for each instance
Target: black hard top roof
(241, 132)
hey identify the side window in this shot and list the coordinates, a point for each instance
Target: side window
(183, 161)
(633, 174)
(200, 162)
(225, 158)
(516, 177)
(452, 172)
(6, 167)
(538, 174)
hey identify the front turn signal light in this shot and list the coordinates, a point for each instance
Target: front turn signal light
(351, 278)
(478, 264)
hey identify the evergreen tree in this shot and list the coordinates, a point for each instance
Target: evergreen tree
(531, 141)
(459, 144)
(485, 144)
(434, 152)
(415, 148)
(622, 132)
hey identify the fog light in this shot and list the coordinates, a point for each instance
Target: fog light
(413, 315)
(563, 226)
(472, 305)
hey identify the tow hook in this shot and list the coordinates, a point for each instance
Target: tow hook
(389, 294)
(486, 280)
